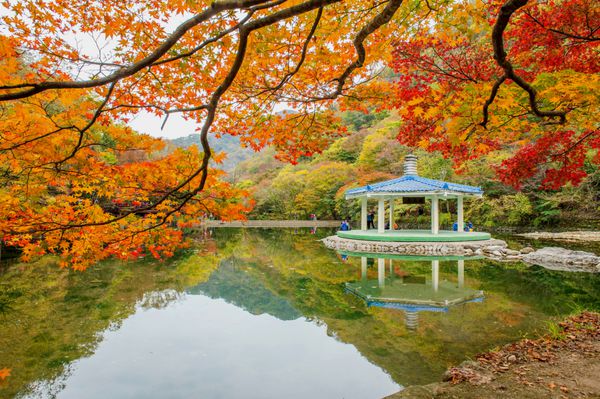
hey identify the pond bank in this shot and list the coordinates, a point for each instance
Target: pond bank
(563, 364)
(552, 258)
(569, 236)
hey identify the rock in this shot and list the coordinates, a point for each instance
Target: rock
(527, 250)
(555, 258)
(493, 248)
(508, 251)
(512, 358)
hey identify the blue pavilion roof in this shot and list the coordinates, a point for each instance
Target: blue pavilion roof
(414, 184)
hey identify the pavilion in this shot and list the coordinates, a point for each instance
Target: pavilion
(417, 189)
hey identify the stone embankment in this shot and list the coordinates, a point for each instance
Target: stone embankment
(467, 248)
(553, 258)
(550, 257)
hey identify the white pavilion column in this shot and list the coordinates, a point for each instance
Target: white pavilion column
(363, 213)
(363, 267)
(435, 215)
(391, 214)
(461, 273)
(459, 214)
(381, 216)
(381, 272)
(435, 274)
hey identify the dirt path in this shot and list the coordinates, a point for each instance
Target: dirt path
(566, 365)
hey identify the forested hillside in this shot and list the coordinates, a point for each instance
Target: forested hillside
(371, 153)
(227, 144)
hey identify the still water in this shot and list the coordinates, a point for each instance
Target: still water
(266, 314)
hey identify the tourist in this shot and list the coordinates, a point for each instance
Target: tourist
(387, 226)
(469, 226)
(371, 220)
(345, 225)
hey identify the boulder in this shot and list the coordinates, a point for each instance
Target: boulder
(527, 250)
(563, 259)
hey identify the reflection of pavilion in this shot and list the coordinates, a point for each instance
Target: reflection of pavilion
(412, 294)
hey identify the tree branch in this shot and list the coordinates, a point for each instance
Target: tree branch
(214, 9)
(506, 11)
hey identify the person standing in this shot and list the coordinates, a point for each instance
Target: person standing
(371, 220)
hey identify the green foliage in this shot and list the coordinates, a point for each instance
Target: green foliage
(339, 151)
(373, 154)
(380, 150)
(509, 210)
(546, 214)
(359, 120)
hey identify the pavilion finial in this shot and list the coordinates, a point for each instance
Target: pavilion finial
(410, 165)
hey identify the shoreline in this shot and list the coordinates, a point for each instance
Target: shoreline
(564, 363)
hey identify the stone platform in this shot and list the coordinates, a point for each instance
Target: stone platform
(429, 248)
(413, 236)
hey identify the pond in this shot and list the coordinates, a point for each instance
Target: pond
(266, 313)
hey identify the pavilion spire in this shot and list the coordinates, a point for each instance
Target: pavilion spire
(410, 165)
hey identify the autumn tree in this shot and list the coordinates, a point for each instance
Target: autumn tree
(224, 64)
(74, 181)
(537, 95)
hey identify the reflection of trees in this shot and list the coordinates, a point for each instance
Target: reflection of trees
(234, 284)
(551, 292)
(298, 268)
(159, 299)
(53, 317)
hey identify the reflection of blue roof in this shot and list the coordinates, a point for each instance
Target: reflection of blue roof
(407, 307)
(414, 184)
(415, 308)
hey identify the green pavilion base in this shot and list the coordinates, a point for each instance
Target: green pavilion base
(416, 242)
(413, 236)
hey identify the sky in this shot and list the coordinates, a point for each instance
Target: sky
(175, 127)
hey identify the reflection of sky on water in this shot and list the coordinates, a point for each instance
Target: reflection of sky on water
(206, 348)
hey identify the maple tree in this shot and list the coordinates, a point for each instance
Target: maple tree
(224, 64)
(538, 95)
(78, 195)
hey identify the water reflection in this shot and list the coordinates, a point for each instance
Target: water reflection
(244, 290)
(265, 312)
(396, 288)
